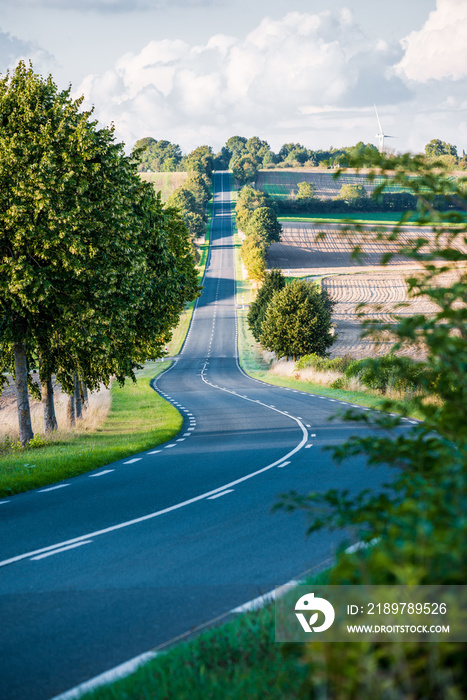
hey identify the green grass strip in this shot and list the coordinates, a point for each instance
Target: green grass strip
(339, 218)
(138, 420)
(180, 332)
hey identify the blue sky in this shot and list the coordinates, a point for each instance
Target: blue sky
(308, 71)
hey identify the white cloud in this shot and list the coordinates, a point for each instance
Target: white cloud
(273, 77)
(439, 49)
(12, 50)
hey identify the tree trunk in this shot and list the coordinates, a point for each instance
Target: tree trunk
(70, 410)
(22, 394)
(47, 391)
(79, 413)
(84, 394)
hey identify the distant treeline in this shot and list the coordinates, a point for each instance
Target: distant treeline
(395, 202)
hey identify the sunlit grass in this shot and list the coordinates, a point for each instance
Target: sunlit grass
(138, 420)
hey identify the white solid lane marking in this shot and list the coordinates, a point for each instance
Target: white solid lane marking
(62, 549)
(131, 461)
(110, 676)
(106, 471)
(218, 495)
(151, 516)
(284, 464)
(54, 488)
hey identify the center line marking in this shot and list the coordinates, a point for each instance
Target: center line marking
(131, 461)
(53, 488)
(167, 446)
(218, 495)
(154, 452)
(106, 471)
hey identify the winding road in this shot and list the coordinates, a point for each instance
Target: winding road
(103, 567)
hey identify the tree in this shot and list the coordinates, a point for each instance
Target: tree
(350, 191)
(305, 192)
(273, 281)
(244, 168)
(253, 256)
(74, 264)
(200, 160)
(158, 156)
(436, 148)
(419, 519)
(298, 321)
(263, 222)
(236, 146)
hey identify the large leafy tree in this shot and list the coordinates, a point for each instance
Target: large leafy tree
(73, 243)
(263, 222)
(273, 281)
(298, 321)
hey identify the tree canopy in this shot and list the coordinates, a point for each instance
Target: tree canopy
(84, 245)
(298, 321)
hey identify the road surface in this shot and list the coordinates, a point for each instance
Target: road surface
(103, 567)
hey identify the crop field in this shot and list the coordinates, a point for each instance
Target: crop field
(385, 288)
(348, 281)
(303, 252)
(282, 183)
(166, 183)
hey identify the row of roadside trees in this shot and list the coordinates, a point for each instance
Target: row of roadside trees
(256, 218)
(94, 270)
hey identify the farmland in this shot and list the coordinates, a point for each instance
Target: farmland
(280, 184)
(166, 183)
(302, 253)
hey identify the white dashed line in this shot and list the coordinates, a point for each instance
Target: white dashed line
(168, 446)
(284, 464)
(106, 471)
(308, 446)
(132, 461)
(154, 452)
(2, 502)
(186, 434)
(54, 488)
(181, 440)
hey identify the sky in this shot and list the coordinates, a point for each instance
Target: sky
(196, 72)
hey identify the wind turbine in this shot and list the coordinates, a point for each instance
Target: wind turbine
(381, 135)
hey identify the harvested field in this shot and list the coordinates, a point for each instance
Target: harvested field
(351, 282)
(302, 254)
(385, 288)
(166, 183)
(282, 183)
(93, 416)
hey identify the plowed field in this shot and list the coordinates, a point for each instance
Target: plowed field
(351, 282)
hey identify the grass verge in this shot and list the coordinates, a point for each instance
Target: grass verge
(138, 420)
(375, 218)
(180, 332)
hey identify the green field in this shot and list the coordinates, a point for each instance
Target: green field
(165, 183)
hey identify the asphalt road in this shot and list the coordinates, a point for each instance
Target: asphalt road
(108, 565)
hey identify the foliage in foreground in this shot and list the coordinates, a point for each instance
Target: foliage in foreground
(420, 518)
